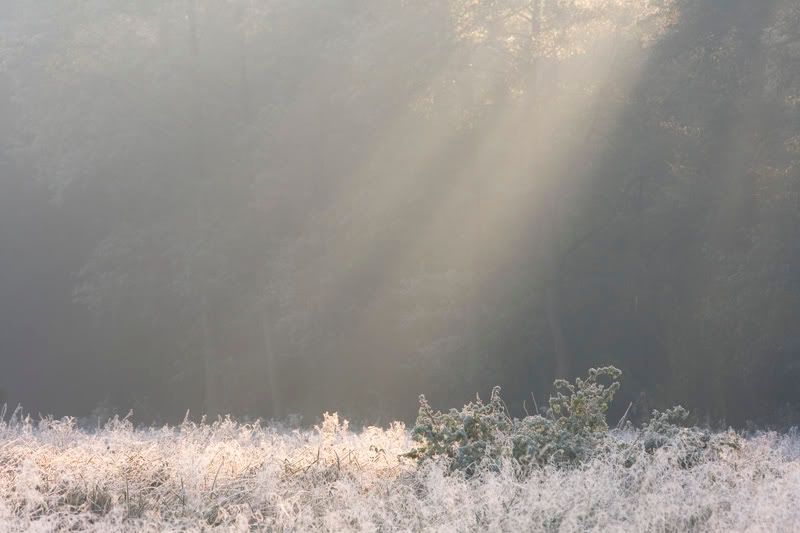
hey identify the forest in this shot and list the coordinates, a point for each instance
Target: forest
(255, 253)
(274, 209)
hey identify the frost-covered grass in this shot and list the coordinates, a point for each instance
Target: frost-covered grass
(241, 477)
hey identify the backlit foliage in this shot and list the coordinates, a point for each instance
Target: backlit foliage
(232, 476)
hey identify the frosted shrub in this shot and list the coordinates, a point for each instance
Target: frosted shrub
(469, 438)
(481, 434)
(690, 445)
(573, 431)
(663, 427)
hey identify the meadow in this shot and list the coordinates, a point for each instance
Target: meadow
(231, 476)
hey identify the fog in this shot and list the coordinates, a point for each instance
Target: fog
(284, 207)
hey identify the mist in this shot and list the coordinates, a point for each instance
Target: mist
(283, 208)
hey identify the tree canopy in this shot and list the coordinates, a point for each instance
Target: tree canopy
(283, 206)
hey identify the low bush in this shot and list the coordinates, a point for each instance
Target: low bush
(573, 430)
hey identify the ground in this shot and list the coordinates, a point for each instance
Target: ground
(239, 477)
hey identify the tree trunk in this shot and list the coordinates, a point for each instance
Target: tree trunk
(191, 16)
(271, 359)
(210, 372)
(211, 400)
(553, 300)
(276, 402)
(544, 86)
(244, 81)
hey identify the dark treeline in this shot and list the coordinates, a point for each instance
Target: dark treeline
(293, 206)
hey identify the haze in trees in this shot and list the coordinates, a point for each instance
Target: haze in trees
(290, 206)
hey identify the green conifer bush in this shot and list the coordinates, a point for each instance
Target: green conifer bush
(573, 430)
